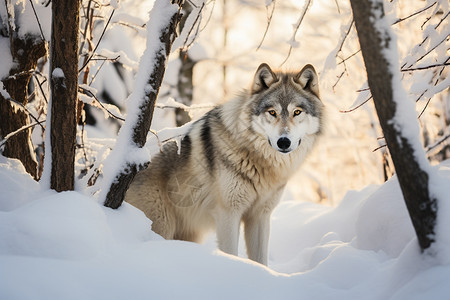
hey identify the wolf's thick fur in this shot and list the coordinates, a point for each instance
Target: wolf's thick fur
(234, 164)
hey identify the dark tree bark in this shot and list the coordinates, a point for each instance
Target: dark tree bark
(413, 180)
(119, 186)
(185, 86)
(64, 92)
(25, 51)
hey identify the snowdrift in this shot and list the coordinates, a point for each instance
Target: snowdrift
(68, 246)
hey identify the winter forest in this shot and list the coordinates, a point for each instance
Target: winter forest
(90, 91)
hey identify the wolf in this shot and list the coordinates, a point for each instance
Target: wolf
(234, 163)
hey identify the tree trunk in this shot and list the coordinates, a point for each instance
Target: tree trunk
(64, 92)
(374, 39)
(25, 51)
(146, 93)
(185, 86)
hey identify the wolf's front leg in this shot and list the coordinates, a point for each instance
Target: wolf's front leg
(227, 228)
(257, 229)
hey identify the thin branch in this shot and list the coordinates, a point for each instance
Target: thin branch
(13, 76)
(297, 26)
(37, 19)
(348, 57)
(209, 17)
(345, 36)
(414, 14)
(40, 85)
(339, 78)
(426, 67)
(426, 90)
(11, 134)
(431, 50)
(355, 108)
(99, 40)
(196, 22)
(102, 57)
(90, 94)
(96, 73)
(378, 148)
(443, 139)
(337, 6)
(425, 107)
(25, 109)
(269, 21)
(363, 90)
(429, 18)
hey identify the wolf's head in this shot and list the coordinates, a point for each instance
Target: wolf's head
(286, 106)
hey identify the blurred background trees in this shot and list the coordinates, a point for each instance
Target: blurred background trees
(220, 44)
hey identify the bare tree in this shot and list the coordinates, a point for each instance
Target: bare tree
(375, 37)
(25, 51)
(64, 92)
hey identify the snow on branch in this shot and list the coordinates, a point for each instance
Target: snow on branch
(11, 134)
(129, 155)
(269, 3)
(293, 43)
(191, 27)
(88, 97)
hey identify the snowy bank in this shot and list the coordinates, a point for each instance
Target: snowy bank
(68, 246)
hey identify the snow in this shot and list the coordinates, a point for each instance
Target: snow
(364, 248)
(354, 244)
(119, 158)
(7, 60)
(58, 73)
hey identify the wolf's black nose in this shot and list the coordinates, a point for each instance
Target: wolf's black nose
(283, 143)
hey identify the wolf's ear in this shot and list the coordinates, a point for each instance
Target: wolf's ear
(308, 79)
(264, 78)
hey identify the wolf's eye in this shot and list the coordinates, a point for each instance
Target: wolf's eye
(272, 112)
(297, 112)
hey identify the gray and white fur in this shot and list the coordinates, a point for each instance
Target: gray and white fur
(234, 164)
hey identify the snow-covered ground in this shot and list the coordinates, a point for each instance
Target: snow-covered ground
(68, 246)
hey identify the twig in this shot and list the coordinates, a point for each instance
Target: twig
(184, 107)
(426, 90)
(363, 90)
(355, 108)
(196, 22)
(429, 51)
(337, 6)
(339, 78)
(424, 108)
(40, 85)
(96, 72)
(269, 21)
(297, 26)
(345, 36)
(99, 40)
(90, 94)
(348, 57)
(11, 134)
(378, 148)
(13, 77)
(209, 17)
(443, 139)
(412, 15)
(426, 67)
(37, 19)
(25, 109)
(102, 57)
